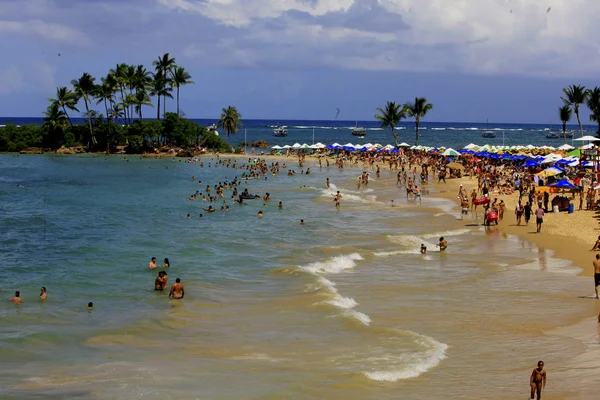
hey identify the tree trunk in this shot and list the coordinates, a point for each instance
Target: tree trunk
(158, 109)
(395, 136)
(68, 118)
(565, 131)
(579, 122)
(165, 106)
(417, 132)
(141, 113)
(124, 108)
(178, 101)
(87, 109)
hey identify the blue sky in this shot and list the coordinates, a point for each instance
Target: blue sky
(502, 60)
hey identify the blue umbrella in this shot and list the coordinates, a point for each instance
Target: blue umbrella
(563, 184)
(532, 163)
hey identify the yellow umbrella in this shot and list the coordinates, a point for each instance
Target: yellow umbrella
(549, 172)
(455, 165)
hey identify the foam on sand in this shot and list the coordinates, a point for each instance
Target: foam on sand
(411, 365)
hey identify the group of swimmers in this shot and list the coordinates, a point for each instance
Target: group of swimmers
(17, 299)
(160, 283)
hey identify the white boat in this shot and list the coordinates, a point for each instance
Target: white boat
(488, 134)
(280, 131)
(560, 135)
(360, 132)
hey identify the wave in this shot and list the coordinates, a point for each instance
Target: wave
(348, 196)
(456, 232)
(432, 353)
(334, 265)
(360, 317)
(438, 129)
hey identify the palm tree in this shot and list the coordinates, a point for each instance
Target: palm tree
(574, 96)
(105, 93)
(120, 74)
(164, 65)
(230, 120)
(55, 121)
(65, 98)
(180, 77)
(84, 88)
(141, 99)
(391, 116)
(565, 116)
(159, 88)
(593, 104)
(418, 110)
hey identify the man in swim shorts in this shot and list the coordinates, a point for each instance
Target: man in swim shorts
(17, 299)
(177, 291)
(161, 281)
(596, 273)
(537, 381)
(152, 263)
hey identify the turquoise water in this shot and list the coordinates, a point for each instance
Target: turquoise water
(343, 306)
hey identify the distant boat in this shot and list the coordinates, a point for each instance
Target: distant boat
(488, 134)
(280, 131)
(560, 135)
(360, 132)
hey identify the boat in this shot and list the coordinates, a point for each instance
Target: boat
(488, 134)
(560, 135)
(280, 131)
(360, 132)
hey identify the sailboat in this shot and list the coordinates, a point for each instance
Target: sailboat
(360, 132)
(486, 133)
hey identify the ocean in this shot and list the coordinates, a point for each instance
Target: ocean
(434, 134)
(343, 306)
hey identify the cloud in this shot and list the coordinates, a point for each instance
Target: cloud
(46, 31)
(11, 80)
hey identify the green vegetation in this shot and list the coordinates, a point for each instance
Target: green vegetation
(390, 116)
(122, 96)
(418, 110)
(393, 113)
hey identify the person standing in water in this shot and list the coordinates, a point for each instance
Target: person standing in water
(43, 294)
(161, 281)
(443, 244)
(596, 274)
(17, 299)
(152, 263)
(177, 291)
(537, 381)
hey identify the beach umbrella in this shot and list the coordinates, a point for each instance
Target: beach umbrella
(305, 146)
(455, 165)
(566, 147)
(587, 139)
(277, 147)
(296, 145)
(470, 146)
(450, 152)
(403, 144)
(588, 146)
(287, 146)
(563, 184)
(552, 171)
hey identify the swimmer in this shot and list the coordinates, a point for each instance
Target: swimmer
(152, 263)
(43, 294)
(301, 222)
(17, 299)
(177, 291)
(443, 244)
(160, 283)
(392, 203)
(423, 249)
(90, 306)
(188, 216)
(280, 205)
(259, 214)
(166, 263)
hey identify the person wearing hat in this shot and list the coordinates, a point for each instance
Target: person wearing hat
(461, 192)
(161, 281)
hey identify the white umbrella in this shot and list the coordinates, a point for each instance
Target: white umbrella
(287, 146)
(296, 145)
(404, 144)
(587, 139)
(348, 145)
(566, 147)
(450, 152)
(277, 147)
(588, 146)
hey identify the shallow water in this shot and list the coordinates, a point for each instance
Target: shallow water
(344, 306)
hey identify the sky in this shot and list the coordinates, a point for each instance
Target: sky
(474, 60)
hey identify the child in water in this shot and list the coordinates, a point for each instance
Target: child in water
(423, 248)
(443, 244)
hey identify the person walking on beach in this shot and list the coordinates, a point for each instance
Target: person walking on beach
(519, 213)
(177, 291)
(596, 264)
(537, 381)
(527, 211)
(539, 218)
